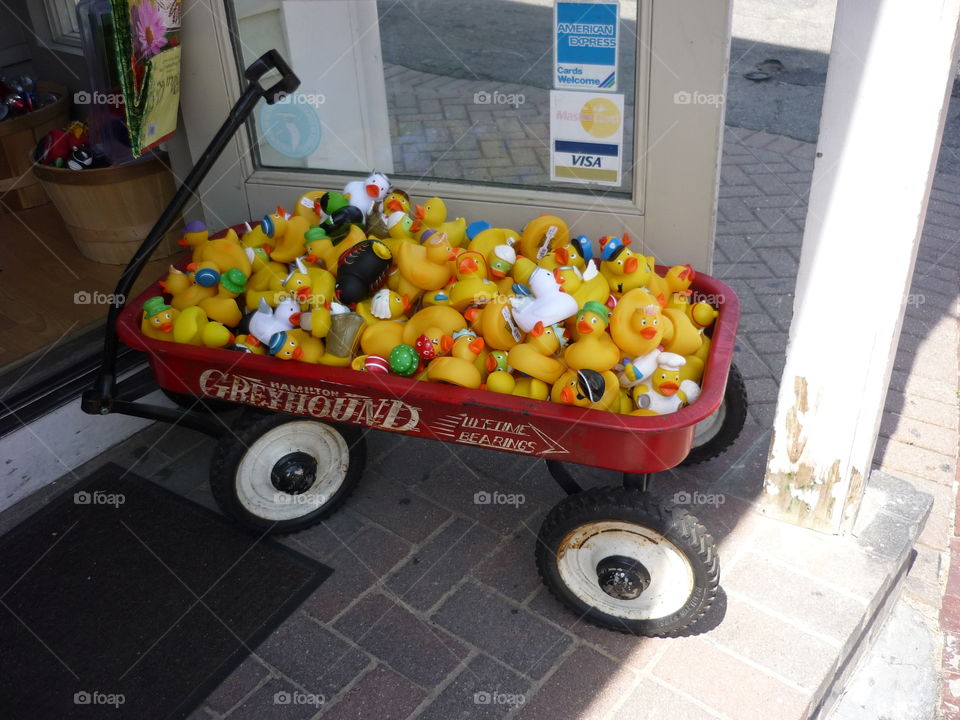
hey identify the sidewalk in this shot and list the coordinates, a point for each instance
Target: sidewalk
(435, 600)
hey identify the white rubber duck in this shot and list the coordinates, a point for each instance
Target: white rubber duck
(666, 393)
(548, 305)
(363, 194)
(266, 320)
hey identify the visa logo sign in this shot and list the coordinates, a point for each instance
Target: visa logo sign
(586, 160)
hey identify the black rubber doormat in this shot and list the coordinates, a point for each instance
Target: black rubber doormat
(121, 599)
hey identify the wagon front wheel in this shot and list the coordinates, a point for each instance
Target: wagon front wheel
(279, 473)
(622, 561)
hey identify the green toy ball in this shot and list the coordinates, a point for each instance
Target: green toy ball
(404, 360)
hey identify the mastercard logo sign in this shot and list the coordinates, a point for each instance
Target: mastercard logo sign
(600, 117)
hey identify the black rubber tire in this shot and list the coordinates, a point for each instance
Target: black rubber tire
(231, 449)
(681, 528)
(190, 402)
(735, 401)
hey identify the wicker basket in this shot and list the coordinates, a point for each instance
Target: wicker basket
(18, 138)
(109, 211)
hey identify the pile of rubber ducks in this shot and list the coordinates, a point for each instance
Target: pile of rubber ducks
(365, 279)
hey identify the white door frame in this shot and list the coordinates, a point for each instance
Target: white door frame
(682, 48)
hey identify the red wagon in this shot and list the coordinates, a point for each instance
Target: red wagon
(613, 555)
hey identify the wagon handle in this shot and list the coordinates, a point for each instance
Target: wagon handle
(99, 400)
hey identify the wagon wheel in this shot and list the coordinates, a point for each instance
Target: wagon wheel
(717, 432)
(281, 473)
(622, 561)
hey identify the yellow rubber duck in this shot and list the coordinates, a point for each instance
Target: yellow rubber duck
(535, 356)
(195, 236)
(307, 204)
(531, 387)
(424, 267)
(223, 306)
(595, 350)
(321, 250)
(588, 389)
(497, 247)
(459, 368)
(637, 325)
(193, 327)
(192, 294)
(157, 318)
(623, 269)
(680, 335)
(291, 245)
(472, 286)
(446, 319)
(541, 235)
(296, 345)
(585, 286)
(216, 256)
(384, 305)
(397, 200)
(433, 215)
(175, 282)
(494, 323)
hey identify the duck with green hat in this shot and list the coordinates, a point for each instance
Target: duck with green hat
(223, 306)
(158, 319)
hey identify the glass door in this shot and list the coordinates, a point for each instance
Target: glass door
(453, 99)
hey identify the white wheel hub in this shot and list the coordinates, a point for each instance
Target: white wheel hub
(255, 486)
(671, 579)
(707, 429)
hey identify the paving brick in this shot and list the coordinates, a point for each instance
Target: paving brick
(747, 631)
(359, 565)
(410, 645)
(240, 683)
(441, 563)
(773, 286)
(815, 604)
(919, 433)
(756, 322)
(895, 456)
(635, 651)
(740, 269)
(511, 569)
(382, 694)
(763, 414)
(768, 342)
(326, 537)
(734, 688)
(276, 700)
(312, 656)
(394, 506)
(750, 364)
(483, 689)
(459, 491)
(511, 634)
(780, 261)
(586, 686)
(653, 701)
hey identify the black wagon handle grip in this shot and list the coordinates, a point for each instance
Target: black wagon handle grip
(272, 60)
(99, 399)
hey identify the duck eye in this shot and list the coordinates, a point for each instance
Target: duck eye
(656, 322)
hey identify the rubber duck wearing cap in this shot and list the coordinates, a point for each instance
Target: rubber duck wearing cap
(157, 319)
(195, 236)
(595, 350)
(325, 251)
(535, 357)
(497, 247)
(295, 344)
(223, 306)
(666, 393)
(623, 269)
(336, 216)
(217, 256)
(637, 325)
(588, 389)
(576, 253)
(193, 294)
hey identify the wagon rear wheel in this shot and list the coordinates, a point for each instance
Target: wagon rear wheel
(625, 562)
(280, 473)
(716, 433)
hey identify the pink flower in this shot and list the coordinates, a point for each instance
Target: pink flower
(148, 28)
